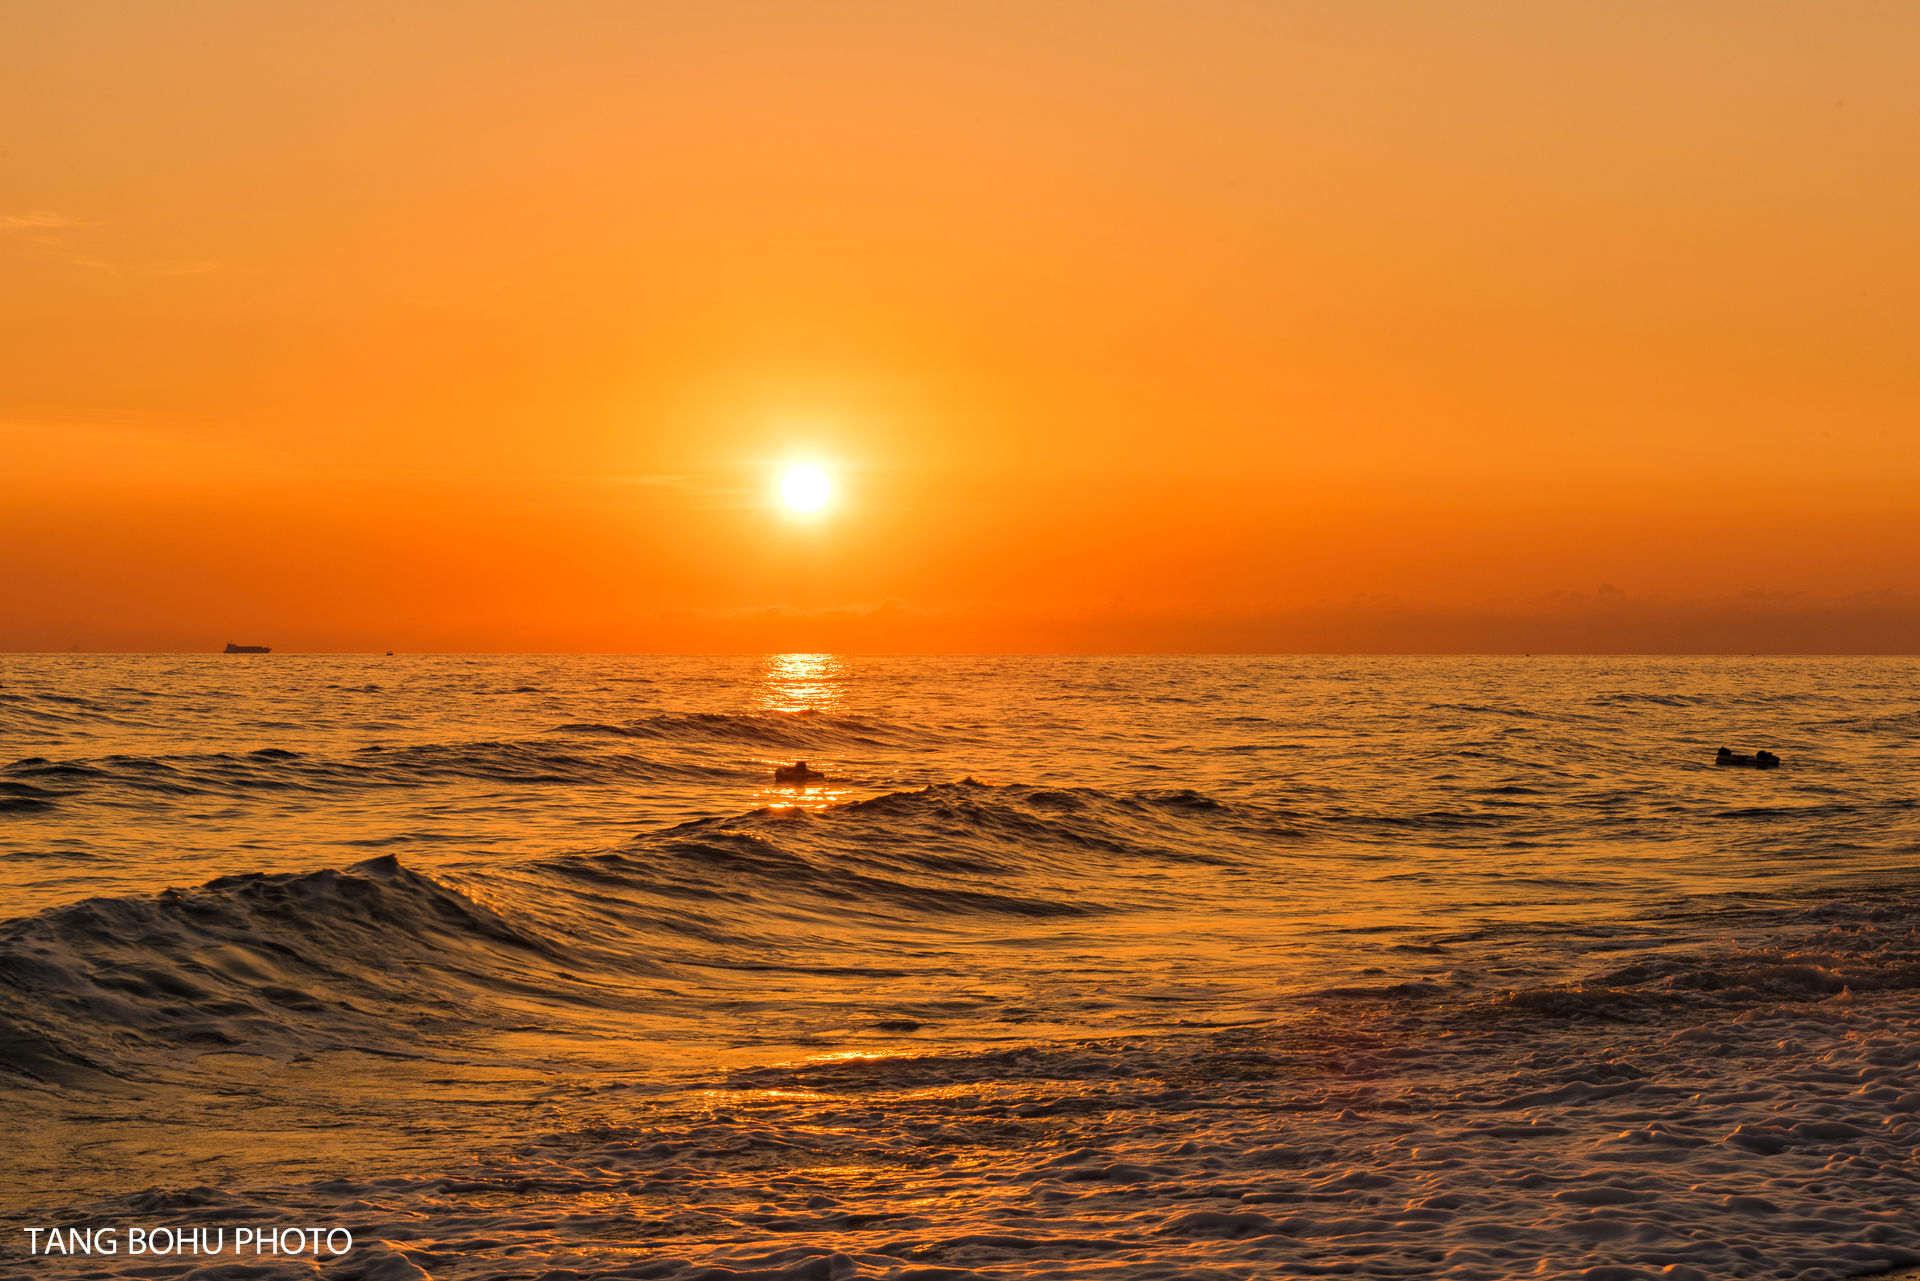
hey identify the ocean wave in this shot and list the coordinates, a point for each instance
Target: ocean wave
(275, 769)
(1875, 950)
(379, 956)
(963, 847)
(695, 749)
(798, 730)
(17, 797)
(368, 958)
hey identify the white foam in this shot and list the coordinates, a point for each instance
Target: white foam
(1779, 1142)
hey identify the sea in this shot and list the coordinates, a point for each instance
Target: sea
(1068, 967)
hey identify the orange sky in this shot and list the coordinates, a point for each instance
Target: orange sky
(1197, 326)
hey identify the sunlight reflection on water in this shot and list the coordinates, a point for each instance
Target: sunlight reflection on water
(800, 683)
(803, 796)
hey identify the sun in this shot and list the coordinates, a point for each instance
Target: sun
(805, 488)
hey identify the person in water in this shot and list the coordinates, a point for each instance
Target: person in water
(1762, 759)
(798, 772)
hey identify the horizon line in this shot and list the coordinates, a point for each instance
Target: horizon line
(982, 653)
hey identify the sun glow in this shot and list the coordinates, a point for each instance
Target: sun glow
(805, 488)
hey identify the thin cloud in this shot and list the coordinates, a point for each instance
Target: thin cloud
(45, 230)
(185, 267)
(130, 449)
(707, 491)
(661, 481)
(40, 220)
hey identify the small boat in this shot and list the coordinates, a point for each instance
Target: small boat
(245, 649)
(798, 772)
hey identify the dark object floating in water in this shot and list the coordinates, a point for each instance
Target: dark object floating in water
(798, 772)
(1762, 759)
(245, 649)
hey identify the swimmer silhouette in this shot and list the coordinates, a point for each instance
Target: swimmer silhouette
(1762, 759)
(798, 772)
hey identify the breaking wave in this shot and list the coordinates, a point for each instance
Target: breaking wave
(380, 957)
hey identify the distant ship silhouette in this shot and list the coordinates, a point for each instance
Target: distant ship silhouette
(245, 649)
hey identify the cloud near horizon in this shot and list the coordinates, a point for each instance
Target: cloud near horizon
(1605, 620)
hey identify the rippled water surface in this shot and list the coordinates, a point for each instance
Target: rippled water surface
(1126, 966)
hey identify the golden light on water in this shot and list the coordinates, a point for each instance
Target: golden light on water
(803, 685)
